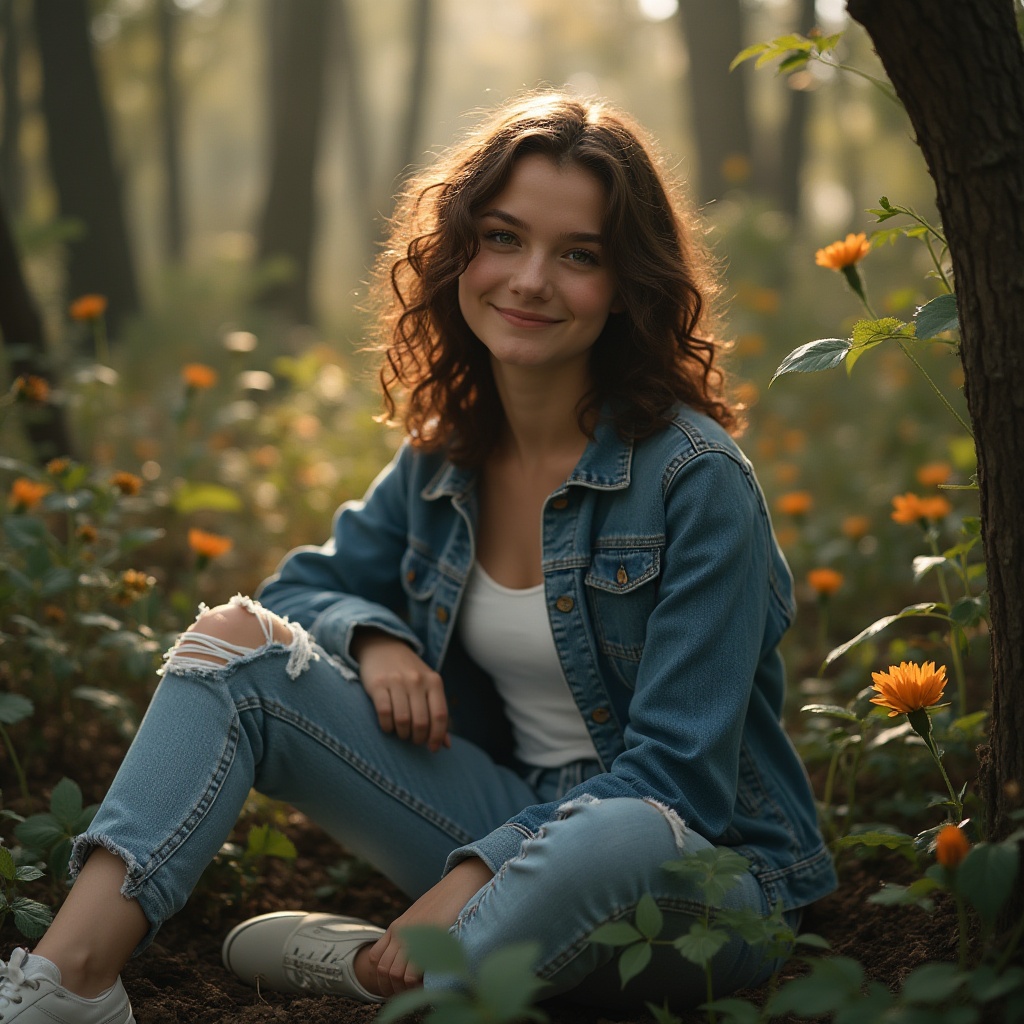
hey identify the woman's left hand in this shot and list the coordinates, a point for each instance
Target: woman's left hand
(440, 906)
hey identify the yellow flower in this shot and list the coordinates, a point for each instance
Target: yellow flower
(26, 494)
(951, 846)
(843, 254)
(824, 581)
(795, 503)
(909, 687)
(855, 527)
(33, 389)
(209, 545)
(88, 307)
(199, 376)
(126, 483)
(931, 474)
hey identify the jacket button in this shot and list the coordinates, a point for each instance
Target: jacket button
(442, 614)
(560, 503)
(411, 575)
(622, 577)
(565, 603)
(600, 715)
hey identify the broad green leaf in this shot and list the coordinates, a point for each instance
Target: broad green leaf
(648, 916)
(823, 354)
(869, 333)
(936, 316)
(39, 831)
(734, 1011)
(932, 983)
(506, 979)
(616, 933)
(968, 611)
(205, 498)
(701, 943)
(754, 50)
(987, 984)
(24, 531)
(917, 894)
(831, 710)
(66, 801)
(889, 840)
(406, 1003)
(662, 1014)
(632, 962)
(985, 878)
(812, 940)
(29, 873)
(264, 841)
(31, 918)
(924, 610)
(432, 948)
(825, 989)
(7, 866)
(793, 63)
(923, 564)
(14, 708)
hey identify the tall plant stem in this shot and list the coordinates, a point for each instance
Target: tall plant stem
(954, 647)
(22, 783)
(942, 398)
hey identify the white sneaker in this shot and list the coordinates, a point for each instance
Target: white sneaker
(292, 951)
(31, 993)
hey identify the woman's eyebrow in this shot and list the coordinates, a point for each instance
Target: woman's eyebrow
(513, 221)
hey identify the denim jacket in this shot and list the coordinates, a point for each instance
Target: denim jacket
(667, 595)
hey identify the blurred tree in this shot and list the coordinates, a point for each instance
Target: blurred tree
(961, 78)
(81, 158)
(422, 22)
(10, 67)
(170, 122)
(25, 348)
(297, 41)
(789, 159)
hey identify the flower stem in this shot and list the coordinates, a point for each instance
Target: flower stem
(961, 927)
(954, 647)
(942, 398)
(922, 725)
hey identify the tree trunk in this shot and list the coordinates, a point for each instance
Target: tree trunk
(81, 158)
(422, 22)
(25, 348)
(10, 69)
(961, 78)
(288, 220)
(789, 157)
(170, 119)
(725, 152)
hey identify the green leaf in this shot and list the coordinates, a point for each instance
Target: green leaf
(937, 316)
(701, 943)
(66, 802)
(616, 933)
(410, 1002)
(923, 610)
(830, 983)
(987, 984)
(889, 840)
(264, 841)
(7, 868)
(40, 831)
(754, 50)
(29, 873)
(56, 580)
(823, 354)
(832, 711)
(14, 708)
(985, 878)
(648, 916)
(432, 948)
(917, 894)
(869, 333)
(31, 918)
(734, 1011)
(968, 611)
(812, 940)
(132, 539)
(506, 979)
(191, 498)
(793, 63)
(923, 564)
(662, 1014)
(932, 983)
(632, 962)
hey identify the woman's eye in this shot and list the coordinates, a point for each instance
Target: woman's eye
(501, 237)
(583, 256)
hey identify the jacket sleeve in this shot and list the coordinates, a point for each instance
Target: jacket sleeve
(703, 644)
(353, 579)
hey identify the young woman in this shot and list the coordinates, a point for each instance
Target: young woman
(538, 661)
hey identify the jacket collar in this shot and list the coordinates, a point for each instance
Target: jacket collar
(605, 465)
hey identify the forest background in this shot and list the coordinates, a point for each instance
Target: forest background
(218, 173)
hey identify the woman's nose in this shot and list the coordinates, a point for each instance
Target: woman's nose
(530, 277)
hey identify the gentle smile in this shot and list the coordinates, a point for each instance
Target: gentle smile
(524, 319)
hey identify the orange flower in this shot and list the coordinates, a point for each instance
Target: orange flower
(843, 254)
(58, 467)
(824, 581)
(33, 389)
(126, 483)
(132, 585)
(909, 687)
(906, 508)
(87, 533)
(795, 503)
(951, 846)
(199, 376)
(26, 494)
(931, 474)
(54, 613)
(855, 527)
(209, 545)
(88, 307)
(936, 507)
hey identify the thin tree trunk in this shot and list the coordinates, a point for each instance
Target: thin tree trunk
(961, 78)
(789, 160)
(170, 123)
(422, 23)
(81, 158)
(25, 348)
(11, 180)
(288, 220)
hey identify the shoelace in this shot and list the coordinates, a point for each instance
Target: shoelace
(13, 980)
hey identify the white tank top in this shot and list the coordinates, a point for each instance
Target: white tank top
(507, 633)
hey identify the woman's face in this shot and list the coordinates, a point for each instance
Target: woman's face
(539, 290)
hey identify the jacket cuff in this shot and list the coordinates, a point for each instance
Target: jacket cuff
(494, 849)
(333, 629)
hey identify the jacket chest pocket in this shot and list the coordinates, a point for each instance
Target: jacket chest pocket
(420, 577)
(622, 592)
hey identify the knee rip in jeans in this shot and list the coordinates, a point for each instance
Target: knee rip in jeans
(206, 654)
(672, 818)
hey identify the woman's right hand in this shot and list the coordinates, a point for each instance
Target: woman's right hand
(407, 694)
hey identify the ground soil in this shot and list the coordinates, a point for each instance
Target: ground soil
(180, 979)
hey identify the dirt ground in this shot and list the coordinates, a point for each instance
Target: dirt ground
(180, 979)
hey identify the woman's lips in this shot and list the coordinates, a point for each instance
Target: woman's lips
(520, 318)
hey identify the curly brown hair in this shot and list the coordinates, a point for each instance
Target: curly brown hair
(659, 351)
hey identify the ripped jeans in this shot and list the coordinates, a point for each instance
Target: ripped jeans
(287, 720)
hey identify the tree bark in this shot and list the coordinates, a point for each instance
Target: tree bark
(714, 35)
(789, 159)
(10, 149)
(420, 33)
(25, 348)
(81, 158)
(288, 220)
(170, 123)
(961, 78)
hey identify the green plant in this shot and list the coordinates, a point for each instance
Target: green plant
(236, 869)
(30, 917)
(50, 834)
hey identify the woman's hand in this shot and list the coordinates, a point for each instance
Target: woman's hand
(406, 693)
(439, 906)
